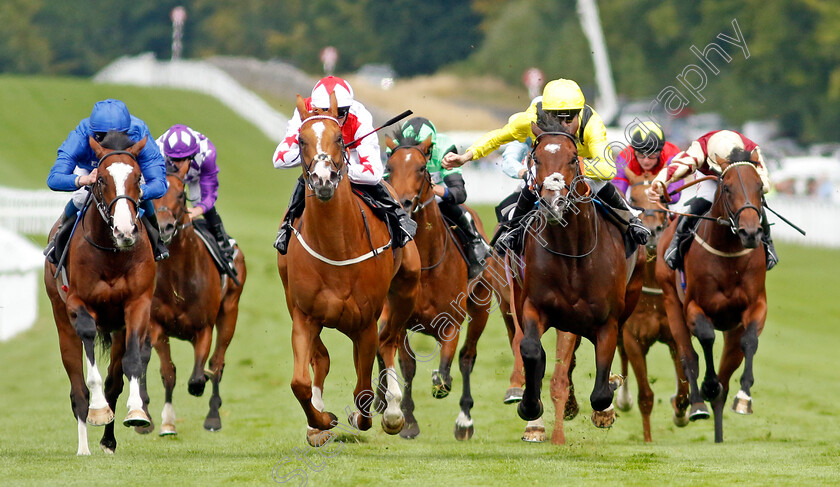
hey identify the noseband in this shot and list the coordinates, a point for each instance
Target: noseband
(733, 216)
(98, 196)
(572, 197)
(182, 210)
(416, 204)
(322, 157)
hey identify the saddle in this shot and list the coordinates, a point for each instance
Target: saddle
(461, 239)
(222, 263)
(621, 219)
(389, 217)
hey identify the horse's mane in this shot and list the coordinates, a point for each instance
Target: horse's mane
(116, 140)
(739, 155)
(549, 123)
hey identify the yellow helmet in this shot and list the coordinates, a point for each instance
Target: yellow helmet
(562, 94)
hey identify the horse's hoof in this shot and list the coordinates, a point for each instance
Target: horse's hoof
(213, 424)
(605, 418)
(741, 404)
(524, 413)
(196, 387)
(464, 428)
(100, 417)
(137, 417)
(410, 431)
(318, 438)
(699, 411)
(623, 399)
(572, 409)
(106, 449)
(144, 430)
(534, 434)
(392, 424)
(440, 389)
(681, 419)
(167, 429)
(513, 395)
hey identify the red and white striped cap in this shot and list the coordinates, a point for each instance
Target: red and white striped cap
(331, 84)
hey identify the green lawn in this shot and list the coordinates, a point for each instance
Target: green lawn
(793, 437)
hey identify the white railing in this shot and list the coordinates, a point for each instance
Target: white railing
(30, 211)
(817, 217)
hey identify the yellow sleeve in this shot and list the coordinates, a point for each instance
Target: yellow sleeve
(517, 128)
(593, 149)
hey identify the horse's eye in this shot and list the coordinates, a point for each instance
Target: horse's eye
(388, 168)
(100, 180)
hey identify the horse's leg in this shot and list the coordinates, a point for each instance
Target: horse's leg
(304, 335)
(201, 350)
(754, 319)
(388, 393)
(517, 375)
(167, 374)
(145, 357)
(561, 382)
(679, 401)
(464, 428)
(225, 327)
(636, 353)
(447, 337)
(687, 355)
(408, 364)
(71, 357)
(603, 414)
(704, 330)
(623, 397)
(99, 413)
(320, 363)
(364, 353)
(113, 387)
(136, 329)
(533, 358)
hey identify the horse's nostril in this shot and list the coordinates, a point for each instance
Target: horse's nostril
(406, 203)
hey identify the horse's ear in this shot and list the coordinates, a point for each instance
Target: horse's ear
(633, 178)
(136, 148)
(391, 143)
(97, 148)
(755, 156)
(536, 130)
(301, 108)
(722, 162)
(425, 145)
(333, 105)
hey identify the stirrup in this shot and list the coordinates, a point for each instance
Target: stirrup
(638, 232)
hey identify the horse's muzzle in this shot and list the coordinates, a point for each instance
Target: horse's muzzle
(750, 239)
(125, 239)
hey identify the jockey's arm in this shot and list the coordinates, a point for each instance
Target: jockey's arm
(761, 167)
(682, 165)
(208, 178)
(153, 168)
(73, 151)
(287, 153)
(365, 159)
(597, 158)
(514, 159)
(517, 128)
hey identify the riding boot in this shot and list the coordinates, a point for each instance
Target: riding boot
(402, 226)
(477, 249)
(610, 196)
(509, 235)
(772, 258)
(296, 205)
(214, 223)
(684, 231)
(158, 247)
(65, 224)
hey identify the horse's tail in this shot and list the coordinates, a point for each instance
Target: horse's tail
(104, 342)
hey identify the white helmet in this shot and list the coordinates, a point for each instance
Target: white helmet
(331, 84)
(721, 144)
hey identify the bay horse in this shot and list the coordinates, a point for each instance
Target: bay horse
(649, 324)
(191, 299)
(438, 310)
(106, 293)
(724, 289)
(576, 278)
(337, 273)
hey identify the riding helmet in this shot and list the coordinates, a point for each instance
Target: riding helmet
(179, 142)
(647, 137)
(332, 84)
(110, 115)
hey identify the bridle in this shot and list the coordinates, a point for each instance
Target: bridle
(733, 216)
(651, 212)
(99, 197)
(181, 211)
(322, 157)
(416, 204)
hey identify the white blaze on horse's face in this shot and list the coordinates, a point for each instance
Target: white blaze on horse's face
(123, 221)
(322, 159)
(553, 148)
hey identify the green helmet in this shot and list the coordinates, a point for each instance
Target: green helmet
(418, 128)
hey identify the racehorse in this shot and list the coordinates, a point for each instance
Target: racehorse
(190, 298)
(649, 324)
(337, 273)
(438, 311)
(106, 293)
(724, 289)
(575, 277)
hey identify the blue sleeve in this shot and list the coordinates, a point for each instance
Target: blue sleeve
(74, 151)
(513, 158)
(152, 166)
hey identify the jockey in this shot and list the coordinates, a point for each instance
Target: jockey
(181, 143)
(75, 168)
(702, 156)
(562, 98)
(365, 167)
(448, 186)
(649, 152)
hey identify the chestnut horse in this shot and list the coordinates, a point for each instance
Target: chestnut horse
(191, 297)
(575, 278)
(649, 324)
(337, 273)
(444, 286)
(107, 293)
(724, 290)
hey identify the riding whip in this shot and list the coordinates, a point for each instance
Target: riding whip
(389, 122)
